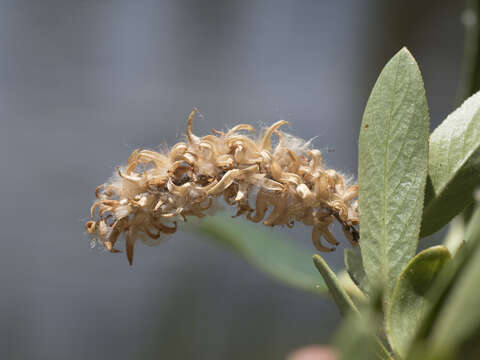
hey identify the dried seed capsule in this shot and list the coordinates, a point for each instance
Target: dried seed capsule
(155, 189)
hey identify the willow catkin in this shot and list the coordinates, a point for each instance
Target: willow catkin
(277, 185)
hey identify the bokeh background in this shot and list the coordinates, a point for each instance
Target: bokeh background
(83, 83)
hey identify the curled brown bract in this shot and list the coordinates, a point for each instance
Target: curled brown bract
(275, 184)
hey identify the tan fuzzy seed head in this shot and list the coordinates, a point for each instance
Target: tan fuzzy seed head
(276, 185)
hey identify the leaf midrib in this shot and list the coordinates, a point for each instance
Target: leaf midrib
(385, 268)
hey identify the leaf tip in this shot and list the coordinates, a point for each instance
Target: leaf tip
(317, 259)
(319, 263)
(404, 50)
(407, 55)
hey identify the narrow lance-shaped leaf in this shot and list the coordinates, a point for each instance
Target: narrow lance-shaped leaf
(353, 263)
(459, 318)
(340, 296)
(410, 301)
(444, 287)
(275, 255)
(346, 282)
(393, 150)
(455, 237)
(454, 166)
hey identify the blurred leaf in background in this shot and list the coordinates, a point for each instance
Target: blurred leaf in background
(270, 252)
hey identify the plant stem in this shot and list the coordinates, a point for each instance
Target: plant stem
(470, 78)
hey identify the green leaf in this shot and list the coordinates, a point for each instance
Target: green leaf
(455, 237)
(340, 296)
(351, 288)
(353, 262)
(459, 318)
(357, 340)
(393, 151)
(473, 227)
(410, 302)
(454, 166)
(445, 284)
(422, 351)
(270, 252)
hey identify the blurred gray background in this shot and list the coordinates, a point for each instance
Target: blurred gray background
(83, 83)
